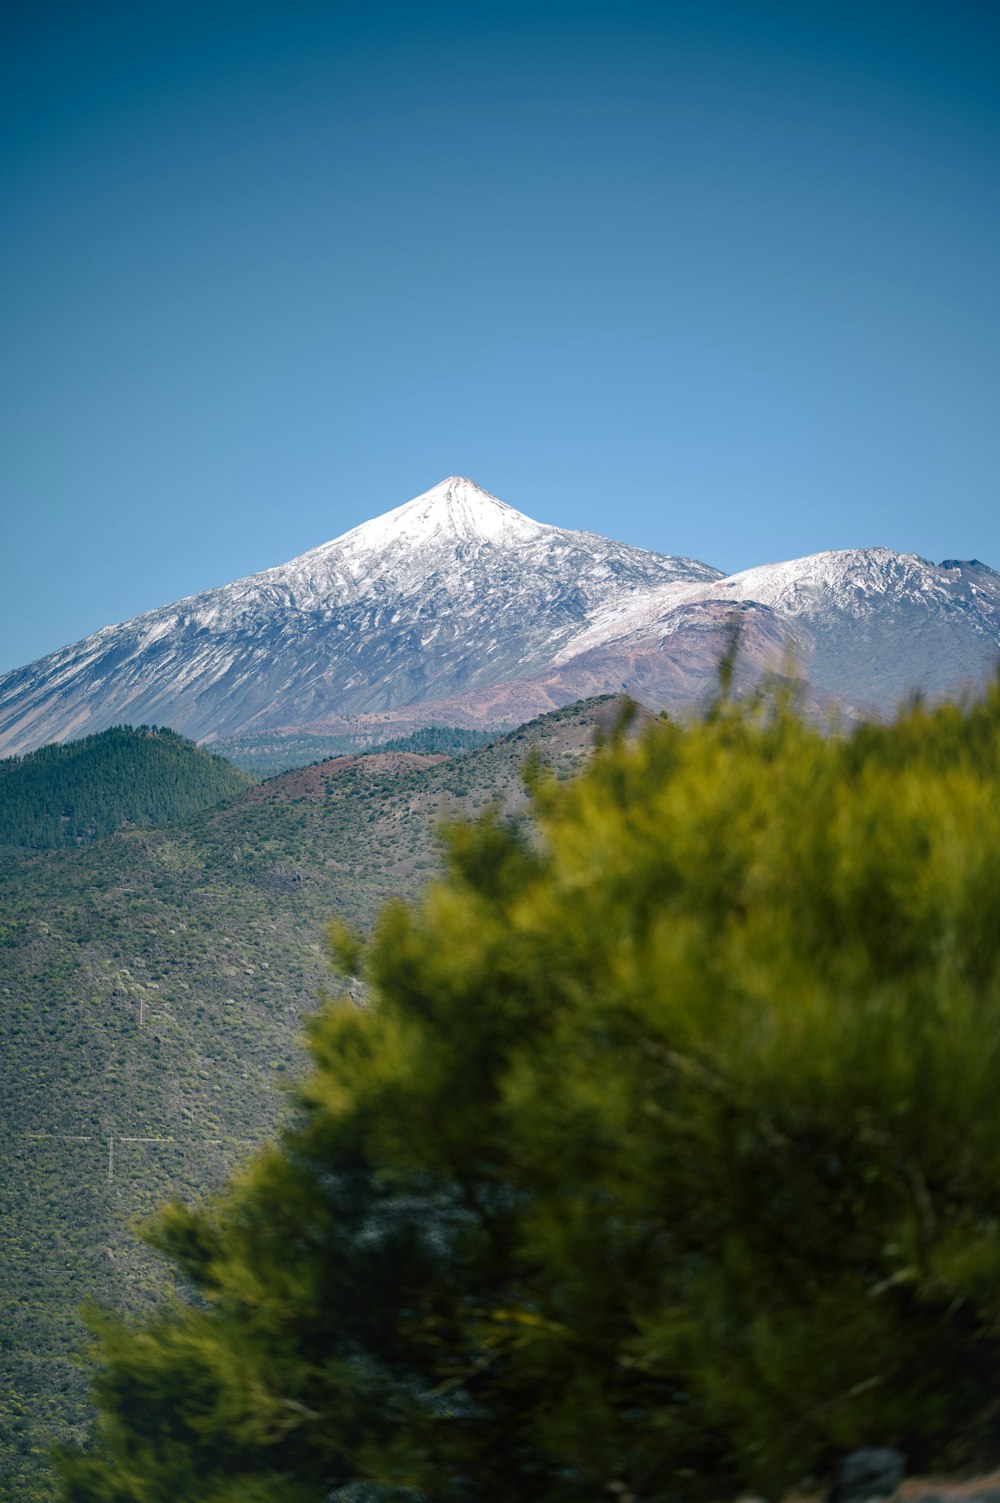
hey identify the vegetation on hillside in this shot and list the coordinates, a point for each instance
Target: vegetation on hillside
(665, 1162)
(265, 754)
(446, 740)
(71, 793)
(152, 987)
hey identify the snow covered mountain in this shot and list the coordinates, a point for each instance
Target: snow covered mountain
(453, 592)
(866, 626)
(458, 609)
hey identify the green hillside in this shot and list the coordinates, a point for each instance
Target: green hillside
(151, 991)
(67, 795)
(265, 753)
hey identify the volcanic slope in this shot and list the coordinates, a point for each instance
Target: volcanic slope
(152, 991)
(451, 593)
(864, 627)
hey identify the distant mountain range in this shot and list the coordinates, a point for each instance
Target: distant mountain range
(455, 608)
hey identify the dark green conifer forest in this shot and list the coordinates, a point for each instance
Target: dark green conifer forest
(663, 1160)
(67, 795)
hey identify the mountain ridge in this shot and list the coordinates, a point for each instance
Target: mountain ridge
(457, 607)
(451, 591)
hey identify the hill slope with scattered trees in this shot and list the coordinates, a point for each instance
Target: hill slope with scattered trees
(152, 987)
(266, 754)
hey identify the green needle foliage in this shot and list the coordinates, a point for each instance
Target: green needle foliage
(665, 1162)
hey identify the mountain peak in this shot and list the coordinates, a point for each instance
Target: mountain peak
(460, 482)
(456, 509)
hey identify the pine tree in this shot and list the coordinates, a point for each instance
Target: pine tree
(664, 1162)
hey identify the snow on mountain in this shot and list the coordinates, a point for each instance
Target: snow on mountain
(867, 626)
(860, 581)
(853, 582)
(453, 591)
(457, 510)
(455, 603)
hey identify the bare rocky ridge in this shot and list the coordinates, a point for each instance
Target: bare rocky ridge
(457, 609)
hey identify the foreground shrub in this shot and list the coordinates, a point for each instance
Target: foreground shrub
(666, 1160)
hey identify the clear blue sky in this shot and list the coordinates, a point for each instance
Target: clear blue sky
(718, 279)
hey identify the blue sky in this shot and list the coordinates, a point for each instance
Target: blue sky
(718, 279)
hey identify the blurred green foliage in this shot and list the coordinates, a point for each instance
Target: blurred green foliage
(667, 1161)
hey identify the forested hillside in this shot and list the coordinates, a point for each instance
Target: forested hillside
(267, 753)
(69, 794)
(151, 997)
